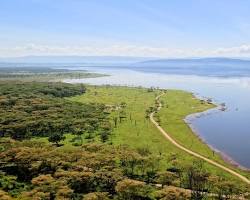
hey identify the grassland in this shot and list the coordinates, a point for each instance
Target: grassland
(177, 105)
(137, 131)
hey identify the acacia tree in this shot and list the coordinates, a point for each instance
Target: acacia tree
(133, 190)
(97, 196)
(197, 180)
(80, 129)
(225, 188)
(104, 136)
(115, 119)
(122, 115)
(172, 193)
(56, 138)
(105, 131)
(167, 178)
(4, 195)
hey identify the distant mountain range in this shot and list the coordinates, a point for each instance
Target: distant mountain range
(189, 66)
(142, 61)
(198, 66)
(88, 60)
(196, 61)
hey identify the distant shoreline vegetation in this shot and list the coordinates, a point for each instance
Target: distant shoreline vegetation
(44, 74)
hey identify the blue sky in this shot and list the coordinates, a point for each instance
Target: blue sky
(165, 28)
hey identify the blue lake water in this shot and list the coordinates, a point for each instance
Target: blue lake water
(228, 132)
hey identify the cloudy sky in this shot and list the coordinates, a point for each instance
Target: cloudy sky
(161, 28)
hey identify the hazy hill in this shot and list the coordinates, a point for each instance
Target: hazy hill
(198, 66)
(222, 67)
(88, 60)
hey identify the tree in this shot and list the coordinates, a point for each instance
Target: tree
(46, 187)
(122, 115)
(106, 180)
(129, 161)
(79, 132)
(225, 188)
(172, 193)
(197, 180)
(81, 182)
(209, 100)
(152, 168)
(10, 184)
(105, 131)
(167, 178)
(123, 104)
(97, 196)
(115, 119)
(151, 89)
(104, 136)
(4, 195)
(56, 138)
(144, 151)
(133, 190)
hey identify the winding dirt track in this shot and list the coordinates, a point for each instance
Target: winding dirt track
(167, 136)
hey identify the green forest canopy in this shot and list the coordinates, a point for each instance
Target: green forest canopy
(39, 109)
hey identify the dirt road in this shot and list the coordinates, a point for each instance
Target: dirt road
(167, 136)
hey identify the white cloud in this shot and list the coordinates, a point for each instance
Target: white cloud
(243, 49)
(116, 50)
(120, 50)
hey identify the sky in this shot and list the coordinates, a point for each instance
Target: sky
(151, 28)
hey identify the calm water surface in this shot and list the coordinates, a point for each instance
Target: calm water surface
(228, 132)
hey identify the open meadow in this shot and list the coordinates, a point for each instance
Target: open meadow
(136, 130)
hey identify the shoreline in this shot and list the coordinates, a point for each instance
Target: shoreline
(191, 117)
(188, 120)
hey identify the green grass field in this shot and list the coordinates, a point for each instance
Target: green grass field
(136, 131)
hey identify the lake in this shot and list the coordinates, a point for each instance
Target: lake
(226, 131)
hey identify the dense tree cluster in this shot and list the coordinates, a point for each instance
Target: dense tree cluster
(35, 170)
(42, 73)
(35, 89)
(16, 69)
(39, 109)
